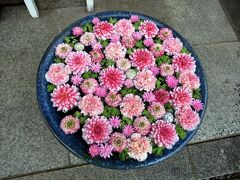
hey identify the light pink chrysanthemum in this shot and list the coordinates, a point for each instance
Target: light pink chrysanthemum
(131, 106)
(101, 92)
(115, 38)
(115, 121)
(77, 31)
(58, 74)
(155, 70)
(115, 51)
(157, 50)
(112, 78)
(142, 125)
(145, 80)
(118, 141)
(197, 105)
(142, 58)
(113, 99)
(95, 67)
(94, 150)
(134, 18)
(166, 70)
(148, 97)
(187, 118)
(157, 109)
(189, 80)
(164, 134)
(70, 124)
(62, 50)
(65, 97)
(162, 96)
(148, 42)
(97, 46)
(96, 56)
(91, 105)
(78, 62)
(103, 30)
(165, 33)
(137, 35)
(139, 147)
(172, 46)
(148, 29)
(89, 86)
(184, 63)
(123, 64)
(105, 150)
(96, 130)
(128, 41)
(88, 39)
(124, 27)
(95, 20)
(128, 83)
(171, 81)
(181, 97)
(128, 130)
(76, 79)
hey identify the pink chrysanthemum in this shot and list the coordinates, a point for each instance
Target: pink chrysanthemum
(115, 121)
(142, 125)
(187, 118)
(157, 109)
(115, 51)
(131, 106)
(148, 29)
(155, 70)
(124, 27)
(197, 105)
(137, 35)
(142, 58)
(103, 30)
(91, 105)
(78, 62)
(115, 38)
(172, 46)
(94, 150)
(181, 97)
(184, 63)
(134, 18)
(162, 96)
(166, 70)
(97, 46)
(128, 83)
(65, 97)
(76, 79)
(77, 31)
(113, 99)
(118, 141)
(164, 134)
(96, 56)
(95, 20)
(106, 150)
(62, 50)
(112, 78)
(69, 124)
(157, 50)
(139, 147)
(189, 80)
(171, 81)
(128, 41)
(128, 130)
(148, 97)
(88, 39)
(96, 130)
(165, 33)
(95, 67)
(145, 80)
(101, 92)
(148, 42)
(58, 74)
(89, 86)
(123, 64)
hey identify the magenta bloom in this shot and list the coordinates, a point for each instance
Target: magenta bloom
(95, 20)
(137, 35)
(187, 118)
(96, 56)
(148, 29)
(113, 99)
(162, 96)
(112, 78)
(142, 125)
(76, 79)
(155, 70)
(115, 38)
(77, 31)
(171, 81)
(164, 134)
(124, 27)
(101, 92)
(148, 42)
(115, 51)
(70, 124)
(106, 150)
(157, 109)
(95, 67)
(62, 50)
(181, 97)
(157, 50)
(172, 46)
(148, 97)
(128, 130)
(128, 41)
(165, 33)
(197, 105)
(145, 80)
(89, 86)
(103, 30)
(96, 46)
(189, 80)
(78, 62)
(184, 63)
(128, 83)
(96, 130)
(166, 70)
(65, 97)
(94, 150)
(115, 121)
(134, 18)
(118, 141)
(142, 58)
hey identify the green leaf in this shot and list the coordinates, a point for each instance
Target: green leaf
(146, 113)
(177, 74)
(184, 50)
(127, 120)
(137, 24)
(94, 75)
(58, 60)
(123, 92)
(139, 44)
(83, 120)
(123, 155)
(104, 43)
(158, 84)
(196, 93)
(181, 132)
(158, 40)
(129, 51)
(89, 27)
(168, 107)
(158, 151)
(112, 20)
(109, 62)
(84, 28)
(50, 87)
(151, 119)
(85, 76)
(77, 114)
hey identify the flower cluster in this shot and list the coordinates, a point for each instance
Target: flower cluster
(129, 86)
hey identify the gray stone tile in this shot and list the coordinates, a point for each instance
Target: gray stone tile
(216, 157)
(56, 4)
(221, 64)
(74, 160)
(176, 167)
(198, 21)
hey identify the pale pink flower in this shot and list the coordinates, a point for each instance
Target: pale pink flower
(118, 141)
(197, 105)
(166, 70)
(77, 31)
(137, 35)
(171, 81)
(172, 46)
(76, 79)
(113, 99)
(95, 20)
(145, 80)
(189, 80)
(128, 130)
(162, 96)
(89, 86)
(142, 125)
(105, 150)
(115, 38)
(62, 50)
(123, 64)
(128, 83)
(148, 29)
(95, 67)
(148, 97)
(124, 27)
(134, 18)
(88, 39)
(142, 59)
(94, 150)
(184, 63)
(128, 41)
(96, 56)
(97, 46)
(115, 51)
(115, 121)
(157, 50)
(181, 97)
(101, 92)
(70, 124)
(157, 110)
(165, 33)
(103, 30)
(148, 42)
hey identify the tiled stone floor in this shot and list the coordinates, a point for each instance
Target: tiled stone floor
(29, 151)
